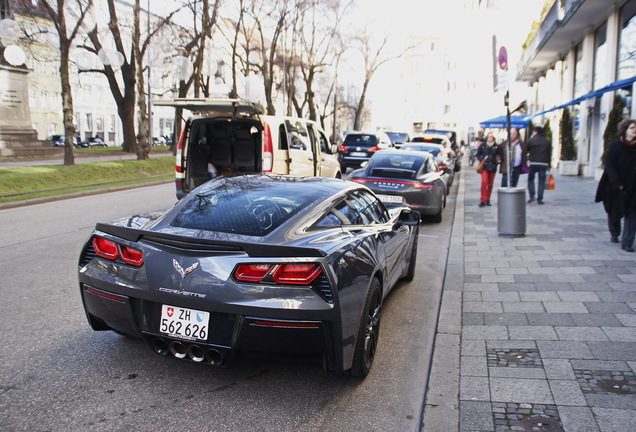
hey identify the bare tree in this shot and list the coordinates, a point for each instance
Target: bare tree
(318, 28)
(68, 18)
(373, 59)
(191, 45)
(270, 20)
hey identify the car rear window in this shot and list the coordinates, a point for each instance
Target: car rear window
(362, 140)
(432, 150)
(393, 165)
(255, 210)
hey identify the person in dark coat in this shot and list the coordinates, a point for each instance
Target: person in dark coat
(539, 158)
(617, 188)
(488, 152)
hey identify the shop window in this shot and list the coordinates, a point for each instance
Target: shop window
(601, 77)
(579, 77)
(626, 67)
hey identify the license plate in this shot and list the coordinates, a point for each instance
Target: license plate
(391, 198)
(184, 323)
(358, 154)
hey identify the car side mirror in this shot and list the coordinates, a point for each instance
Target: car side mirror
(334, 148)
(409, 217)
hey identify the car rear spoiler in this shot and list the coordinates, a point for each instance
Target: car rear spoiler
(252, 249)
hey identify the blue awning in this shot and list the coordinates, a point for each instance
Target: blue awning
(516, 121)
(616, 85)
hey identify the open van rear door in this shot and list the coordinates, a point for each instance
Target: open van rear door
(221, 106)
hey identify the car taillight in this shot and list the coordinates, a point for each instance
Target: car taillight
(105, 248)
(268, 149)
(296, 273)
(441, 166)
(374, 149)
(418, 185)
(252, 272)
(111, 251)
(358, 180)
(131, 256)
(179, 167)
(343, 148)
(286, 274)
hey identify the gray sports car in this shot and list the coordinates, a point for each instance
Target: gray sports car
(253, 264)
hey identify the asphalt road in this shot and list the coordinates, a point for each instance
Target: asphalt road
(58, 374)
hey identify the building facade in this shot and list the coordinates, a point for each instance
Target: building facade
(581, 57)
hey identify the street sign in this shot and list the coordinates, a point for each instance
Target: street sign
(502, 58)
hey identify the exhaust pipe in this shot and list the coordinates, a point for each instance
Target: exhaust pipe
(196, 353)
(214, 357)
(160, 346)
(178, 350)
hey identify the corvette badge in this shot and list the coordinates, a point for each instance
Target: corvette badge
(180, 269)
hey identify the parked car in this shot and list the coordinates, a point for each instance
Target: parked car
(358, 147)
(96, 141)
(253, 264)
(444, 164)
(230, 136)
(443, 140)
(59, 141)
(404, 177)
(398, 138)
(158, 141)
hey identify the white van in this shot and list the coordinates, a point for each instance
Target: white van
(231, 136)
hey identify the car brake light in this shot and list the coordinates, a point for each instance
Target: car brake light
(343, 148)
(297, 273)
(268, 149)
(418, 185)
(111, 251)
(179, 167)
(374, 149)
(442, 166)
(252, 272)
(131, 256)
(358, 180)
(105, 248)
(289, 274)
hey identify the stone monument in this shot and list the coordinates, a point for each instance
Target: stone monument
(17, 136)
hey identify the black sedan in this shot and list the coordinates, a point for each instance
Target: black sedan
(404, 177)
(444, 164)
(253, 265)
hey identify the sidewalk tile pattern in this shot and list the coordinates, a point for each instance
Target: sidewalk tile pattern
(547, 339)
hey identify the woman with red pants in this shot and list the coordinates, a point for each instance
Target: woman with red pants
(488, 152)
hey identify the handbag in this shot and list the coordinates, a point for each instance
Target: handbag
(525, 169)
(551, 183)
(480, 166)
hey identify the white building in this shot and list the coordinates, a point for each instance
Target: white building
(582, 55)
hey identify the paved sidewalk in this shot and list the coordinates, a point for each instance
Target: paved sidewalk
(536, 333)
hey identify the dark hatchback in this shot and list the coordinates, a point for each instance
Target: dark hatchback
(358, 147)
(403, 177)
(253, 264)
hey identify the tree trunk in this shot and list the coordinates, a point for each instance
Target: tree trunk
(67, 104)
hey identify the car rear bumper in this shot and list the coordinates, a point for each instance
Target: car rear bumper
(233, 331)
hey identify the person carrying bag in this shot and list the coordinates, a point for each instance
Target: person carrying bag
(487, 157)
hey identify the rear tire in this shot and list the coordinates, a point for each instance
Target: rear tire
(368, 333)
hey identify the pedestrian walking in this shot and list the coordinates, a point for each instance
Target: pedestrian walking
(519, 158)
(539, 156)
(487, 152)
(617, 187)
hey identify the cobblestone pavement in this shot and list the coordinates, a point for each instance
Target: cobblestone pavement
(537, 332)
